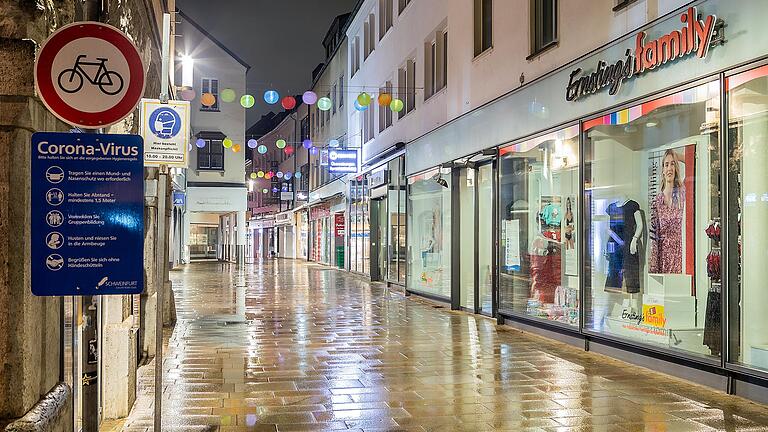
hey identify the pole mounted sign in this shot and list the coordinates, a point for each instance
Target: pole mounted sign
(342, 161)
(87, 218)
(165, 129)
(89, 74)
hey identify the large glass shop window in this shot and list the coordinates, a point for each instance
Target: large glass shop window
(651, 200)
(538, 190)
(429, 233)
(748, 216)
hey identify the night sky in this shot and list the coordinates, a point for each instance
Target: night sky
(280, 39)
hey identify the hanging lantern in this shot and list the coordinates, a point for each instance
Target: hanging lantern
(228, 95)
(313, 151)
(360, 107)
(271, 97)
(287, 175)
(288, 102)
(307, 143)
(265, 191)
(189, 147)
(275, 190)
(254, 176)
(227, 143)
(236, 148)
(333, 143)
(324, 104)
(187, 94)
(364, 99)
(309, 97)
(396, 105)
(262, 149)
(279, 174)
(297, 175)
(207, 99)
(252, 143)
(260, 174)
(247, 101)
(385, 99)
(288, 150)
(200, 143)
(280, 143)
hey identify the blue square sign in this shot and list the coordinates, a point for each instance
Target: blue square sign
(87, 214)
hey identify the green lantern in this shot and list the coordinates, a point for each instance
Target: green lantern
(280, 143)
(324, 104)
(227, 143)
(247, 101)
(254, 176)
(228, 95)
(396, 105)
(364, 99)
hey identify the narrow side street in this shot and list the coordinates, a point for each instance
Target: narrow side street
(324, 350)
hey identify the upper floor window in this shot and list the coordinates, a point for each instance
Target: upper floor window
(210, 85)
(341, 91)
(369, 36)
(621, 4)
(368, 123)
(436, 64)
(385, 17)
(401, 5)
(385, 114)
(354, 58)
(211, 156)
(305, 128)
(334, 98)
(543, 25)
(483, 25)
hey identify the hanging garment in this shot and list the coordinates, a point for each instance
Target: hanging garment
(712, 320)
(551, 215)
(623, 266)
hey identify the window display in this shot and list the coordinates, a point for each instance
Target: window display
(538, 188)
(748, 218)
(429, 233)
(651, 190)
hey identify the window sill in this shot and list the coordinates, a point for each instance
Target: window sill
(221, 170)
(209, 110)
(483, 54)
(543, 49)
(435, 94)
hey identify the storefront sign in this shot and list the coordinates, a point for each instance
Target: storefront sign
(319, 212)
(653, 315)
(286, 196)
(338, 225)
(165, 129)
(342, 161)
(695, 36)
(87, 214)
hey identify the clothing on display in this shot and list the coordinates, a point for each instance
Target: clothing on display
(545, 270)
(623, 265)
(666, 234)
(551, 215)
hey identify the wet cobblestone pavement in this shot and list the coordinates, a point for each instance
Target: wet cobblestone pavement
(324, 350)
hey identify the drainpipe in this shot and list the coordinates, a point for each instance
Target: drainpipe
(92, 10)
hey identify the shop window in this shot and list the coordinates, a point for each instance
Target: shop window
(429, 233)
(483, 13)
(211, 86)
(211, 155)
(538, 190)
(543, 25)
(651, 192)
(748, 217)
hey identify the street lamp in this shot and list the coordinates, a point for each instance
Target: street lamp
(187, 71)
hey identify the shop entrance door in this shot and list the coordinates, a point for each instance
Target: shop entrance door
(379, 250)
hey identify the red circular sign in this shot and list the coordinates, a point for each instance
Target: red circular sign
(89, 74)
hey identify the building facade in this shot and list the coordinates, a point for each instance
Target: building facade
(216, 191)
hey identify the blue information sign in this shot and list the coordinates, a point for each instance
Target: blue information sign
(87, 214)
(179, 198)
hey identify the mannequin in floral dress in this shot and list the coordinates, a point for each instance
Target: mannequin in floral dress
(667, 211)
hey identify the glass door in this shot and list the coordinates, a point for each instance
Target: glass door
(467, 234)
(484, 187)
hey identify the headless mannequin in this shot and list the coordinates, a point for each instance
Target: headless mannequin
(633, 245)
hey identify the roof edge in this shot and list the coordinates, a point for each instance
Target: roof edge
(213, 39)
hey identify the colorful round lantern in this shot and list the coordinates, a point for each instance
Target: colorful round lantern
(227, 143)
(189, 147)
(262, 149)
(309, 97)
(228, 95)
(333, 143)
(307, 143)
(359, 107)
(254, 176)
(207, 99)
(313, 151)
(247, 101)
(364, 99)
(297, 175)
(280, 143)
(252, 143)
(288, 150)
(200, 143)
(260, 174)
(271, 97)
(287, 175)
(288, 102)
(324, 104)
(396, 105)
(385, 99)
(279, 174)
(236, 148)
(265, 191)
(187, 94)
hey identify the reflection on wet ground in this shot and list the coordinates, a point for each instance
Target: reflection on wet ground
(325, 350)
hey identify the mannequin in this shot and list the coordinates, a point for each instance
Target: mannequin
(625, 226)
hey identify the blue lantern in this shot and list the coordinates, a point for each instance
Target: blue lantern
(200, 143)
(360, 107)
(307, 143)
(333, 143)
(271, 97)
(287, 175)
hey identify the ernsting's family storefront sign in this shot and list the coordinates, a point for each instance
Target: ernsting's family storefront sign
(696, 36)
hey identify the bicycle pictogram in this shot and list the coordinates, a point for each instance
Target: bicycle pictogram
(109, 82)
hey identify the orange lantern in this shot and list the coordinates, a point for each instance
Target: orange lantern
(385, 99)
(207, 99)
(236, 148)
